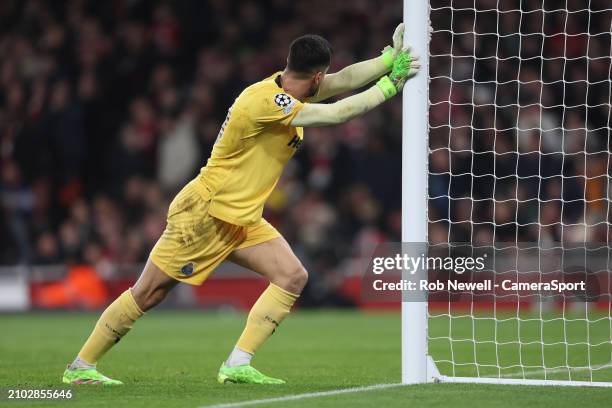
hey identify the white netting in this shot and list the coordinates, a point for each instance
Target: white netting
(519, 137)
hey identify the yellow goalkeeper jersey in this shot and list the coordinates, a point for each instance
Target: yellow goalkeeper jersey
(254, 144)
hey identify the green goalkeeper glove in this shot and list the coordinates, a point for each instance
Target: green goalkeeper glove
(405, 66)
(390, 52)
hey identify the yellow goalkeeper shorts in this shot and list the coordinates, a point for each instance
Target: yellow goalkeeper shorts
(194, 243)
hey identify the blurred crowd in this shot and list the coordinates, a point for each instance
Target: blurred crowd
(108, 107)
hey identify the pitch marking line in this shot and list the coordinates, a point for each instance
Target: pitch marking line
(556, 370)
(304, 396)
(369, 388)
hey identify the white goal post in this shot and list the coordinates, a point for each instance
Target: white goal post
(556, 122)
(414, 185)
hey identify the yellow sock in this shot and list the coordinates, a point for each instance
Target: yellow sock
(265, 316)
(114, 323)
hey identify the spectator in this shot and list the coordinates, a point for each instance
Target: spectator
(107, 109)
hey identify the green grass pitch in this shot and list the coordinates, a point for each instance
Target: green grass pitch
(170, 359)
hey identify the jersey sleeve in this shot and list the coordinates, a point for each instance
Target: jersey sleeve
(276, 106)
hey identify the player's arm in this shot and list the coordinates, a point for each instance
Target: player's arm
(352, 77)
(318, 114)
(362, 73)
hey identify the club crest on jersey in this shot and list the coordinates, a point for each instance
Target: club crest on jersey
(285, 102)
(188, 268)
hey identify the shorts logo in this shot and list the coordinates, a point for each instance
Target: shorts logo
(285, 102)
(187, 269)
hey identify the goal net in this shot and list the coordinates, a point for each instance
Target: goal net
(519, 158)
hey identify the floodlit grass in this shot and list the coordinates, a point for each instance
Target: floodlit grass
(170, 359)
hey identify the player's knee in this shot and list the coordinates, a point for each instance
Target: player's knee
(298, 277)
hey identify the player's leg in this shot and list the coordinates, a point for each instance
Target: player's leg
(191, 247)
(115, 322)
(274, 260)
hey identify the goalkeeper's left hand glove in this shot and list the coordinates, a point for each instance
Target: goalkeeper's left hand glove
(390, 52)
(405, 66)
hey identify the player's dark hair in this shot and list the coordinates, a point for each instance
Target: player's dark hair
(308, 53)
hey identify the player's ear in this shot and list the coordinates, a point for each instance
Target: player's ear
(321, 75)
(318, 77)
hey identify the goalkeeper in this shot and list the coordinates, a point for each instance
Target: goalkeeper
(218, 215)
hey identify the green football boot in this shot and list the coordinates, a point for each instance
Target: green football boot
(87, 376)
(244, 374)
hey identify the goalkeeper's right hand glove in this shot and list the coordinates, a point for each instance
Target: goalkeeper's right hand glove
(405, 66)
